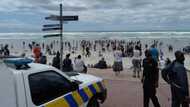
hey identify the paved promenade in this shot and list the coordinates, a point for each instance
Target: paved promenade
(126, 91)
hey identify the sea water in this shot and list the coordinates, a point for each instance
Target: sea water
(177, 39)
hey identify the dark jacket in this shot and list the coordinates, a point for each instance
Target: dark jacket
(180, 82)
(67, 65)
(56, 62)
(150, 72)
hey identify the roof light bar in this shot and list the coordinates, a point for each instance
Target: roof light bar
(18, 61)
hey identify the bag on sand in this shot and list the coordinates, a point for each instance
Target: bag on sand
(167, 73)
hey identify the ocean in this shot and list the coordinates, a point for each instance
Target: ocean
(177, 39)
(100, 35)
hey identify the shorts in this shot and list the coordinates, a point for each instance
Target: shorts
(117, 66)
(136, 63)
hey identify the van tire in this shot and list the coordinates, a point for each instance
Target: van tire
(93, 102)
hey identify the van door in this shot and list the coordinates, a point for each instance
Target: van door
(7, 88)
(51, 89)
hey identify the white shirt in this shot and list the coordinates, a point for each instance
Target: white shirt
(78, 65)
(117, 56)
(136, 54)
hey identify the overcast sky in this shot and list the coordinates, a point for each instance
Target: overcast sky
(97, 15)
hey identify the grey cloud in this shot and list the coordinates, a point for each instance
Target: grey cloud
(65, 8)
(139, 3)
(70, 8)
(129, 12)
(183, 0)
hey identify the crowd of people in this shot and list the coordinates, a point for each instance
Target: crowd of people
(4, 50)
(173, 72)
(67, 64)
(78, 66)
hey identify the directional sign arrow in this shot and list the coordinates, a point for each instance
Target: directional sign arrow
(52, 17)
(51, 25)
(50, 29)
(70, 18)
(64, 18)
(51, 35)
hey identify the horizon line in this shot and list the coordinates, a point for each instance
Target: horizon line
(107, 31)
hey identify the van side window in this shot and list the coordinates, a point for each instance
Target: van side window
(48, 85)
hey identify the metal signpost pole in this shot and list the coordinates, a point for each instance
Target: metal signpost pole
(52, 27)
(61, 38)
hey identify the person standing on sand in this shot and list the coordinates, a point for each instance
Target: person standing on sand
(118, 64)
(176, 75)
(23, 44)
(146, 47)
(150, 80)
(136, 62)
(170, 48)
(154, 52)
(88, 52)
(56, 61)
(37, 52)
(30, 46)
(42, 59)
(6, 50)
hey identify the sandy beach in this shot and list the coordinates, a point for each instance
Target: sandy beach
(123, 90)
(17, 48)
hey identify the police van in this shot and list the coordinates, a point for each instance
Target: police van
(27, 84)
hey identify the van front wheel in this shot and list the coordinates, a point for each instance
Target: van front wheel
(93, 103)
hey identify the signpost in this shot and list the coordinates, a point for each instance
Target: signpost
(50, 27)
(51, 35)
(61, 38)
(64, 18)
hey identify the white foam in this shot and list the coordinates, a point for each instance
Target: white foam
(100, 35)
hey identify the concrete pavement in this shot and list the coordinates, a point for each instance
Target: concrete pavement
(126, 91)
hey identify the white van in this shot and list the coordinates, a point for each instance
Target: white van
(27, 84)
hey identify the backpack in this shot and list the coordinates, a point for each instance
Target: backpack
(168, 74)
